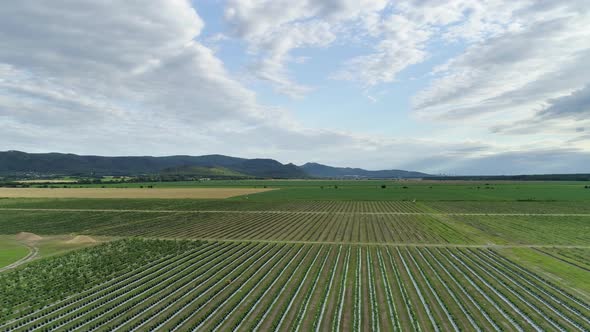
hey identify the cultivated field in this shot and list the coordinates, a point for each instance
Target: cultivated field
(239, 225)
(177, 193)
(339, 222)
(278, 262)
(225, 286)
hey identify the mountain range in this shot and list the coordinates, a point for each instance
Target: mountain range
(17, 163)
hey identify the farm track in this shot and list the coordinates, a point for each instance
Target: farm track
(294, 286)
(33, 253)
(303, 212)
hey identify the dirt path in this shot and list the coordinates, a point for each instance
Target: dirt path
(33, 253)
(306, 212)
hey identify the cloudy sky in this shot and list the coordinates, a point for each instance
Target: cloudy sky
(441, 86)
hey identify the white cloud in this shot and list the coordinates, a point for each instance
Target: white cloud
(405, 32)
(130, 77)
(273, 28)
(516, 74)
(124, 61)
(402, 45)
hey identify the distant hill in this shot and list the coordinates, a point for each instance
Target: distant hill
(323, 171)
(21, 163)
(199, 171)
(17, 163)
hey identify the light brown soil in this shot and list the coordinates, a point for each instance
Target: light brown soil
(28, 237)
(128, 192)
(81, 239)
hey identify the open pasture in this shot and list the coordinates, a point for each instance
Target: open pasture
(277, 287)
(427, 191)
(122, 193)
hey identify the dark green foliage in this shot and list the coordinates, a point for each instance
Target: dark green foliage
(45, 281)
(323, 171)
(16, 162)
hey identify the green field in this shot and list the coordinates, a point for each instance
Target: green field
(224, 286)
(370, 190)
(432, 256)
(11, 251)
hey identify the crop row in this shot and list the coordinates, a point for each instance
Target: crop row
(297, 227)
(247, 226)
(516, 207)
(555, 230)
(326, 206)
(216, 205)
(42, 282)
(270, 287)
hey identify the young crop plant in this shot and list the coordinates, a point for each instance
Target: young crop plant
(451, 293)
(419, 292)
(404, 293)
(214, 308)
(244, 291)
(204, 298)
(267, 287)
(214, 272)
(393, 316)
(513, 299)
(542, 289)
(357, 291)
(297, 324)
(504, 299)
(440, 302)
(481, 291)
(543, 281)
(326, 293)
(277, 295)
(277, 325)
(135, 295)
(342, 291)
(500, 275)
(173, 294)
(28, 288)
(265, 272)
(372, 294)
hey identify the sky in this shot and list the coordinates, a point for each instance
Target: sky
(439, 86)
